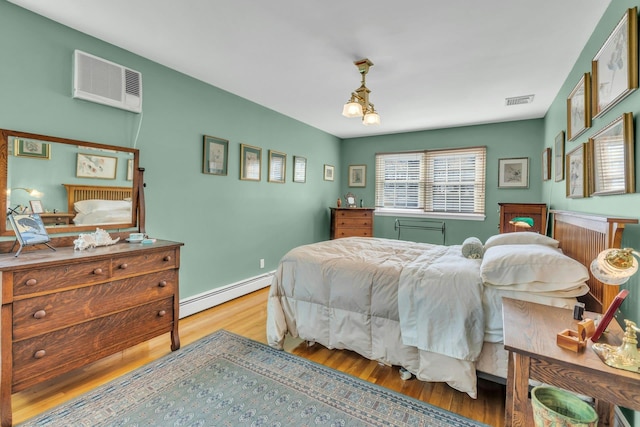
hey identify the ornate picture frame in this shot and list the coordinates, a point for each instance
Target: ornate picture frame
(250, 163)
(559, 156)
(577, 177)
(612, 158)
(299, 169)
(513, 172)
(579, 108)
(546, 164)
(277, 167)
(215, 155)
(328, 172)
(357, 175)
(618, 55)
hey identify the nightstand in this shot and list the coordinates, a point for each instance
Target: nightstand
(530, 337)
(58, 218)
(351, 222)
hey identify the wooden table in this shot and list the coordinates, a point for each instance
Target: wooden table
(530, 337)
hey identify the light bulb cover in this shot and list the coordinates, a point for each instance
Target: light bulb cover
(370, 119)
(607, 273)
(352, 109)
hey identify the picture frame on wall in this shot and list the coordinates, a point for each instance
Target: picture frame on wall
(277, 166)
(36, 206)
(558, 147)
(129, 169)
(93, 166)
(328, 172)
(250, 162)
(215, 155)
(614, 69)
(612, 158)
(579, 108)
(577, 183)
(546, 164)
(513, 172)
(299, 169)
(33, 149)
(358, 176)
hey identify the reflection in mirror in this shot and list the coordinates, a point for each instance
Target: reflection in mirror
(611, 152)
(79, 185)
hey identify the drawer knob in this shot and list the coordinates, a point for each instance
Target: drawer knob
(167, 258)
(40, 314)
(31, 282)
(97, 271)
(162, 283)
(162, 313)
(124, 266)
(39, 354)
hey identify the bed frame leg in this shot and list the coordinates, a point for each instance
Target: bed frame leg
(404, 374)
(311, 343)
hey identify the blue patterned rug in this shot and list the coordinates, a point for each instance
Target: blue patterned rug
(228, 380)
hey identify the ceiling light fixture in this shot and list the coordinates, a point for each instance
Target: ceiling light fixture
(359, 105)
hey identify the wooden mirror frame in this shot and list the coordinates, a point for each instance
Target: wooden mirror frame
(137, 197)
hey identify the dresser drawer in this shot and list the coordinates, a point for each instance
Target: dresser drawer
(137, 264)
(42, 314)
(352, 232)
(354, 214)
(44, 356)
(52, 278)
(353, 222)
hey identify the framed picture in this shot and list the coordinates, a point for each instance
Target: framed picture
(513, 173)
(559, 156)
(250, 162)
(29, 230)
(92, 166)
(576, 173)
(546, 164)
(299, 169)
(277, 166)
(215, 155)
(614, 69)
(579, 108)
(130, 170)
(36, 206)
(328, 172)
(357, 176)
(612, 158)
(29, 148)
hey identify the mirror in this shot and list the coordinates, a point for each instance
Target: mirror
(77, 185)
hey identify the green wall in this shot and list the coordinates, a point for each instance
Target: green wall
(227, 224)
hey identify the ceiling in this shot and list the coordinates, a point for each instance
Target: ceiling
(437, 64)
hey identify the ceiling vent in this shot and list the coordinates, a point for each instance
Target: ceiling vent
(98, 80)
(517, 100)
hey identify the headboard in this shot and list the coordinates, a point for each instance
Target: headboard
(582, 237)
(76, 193)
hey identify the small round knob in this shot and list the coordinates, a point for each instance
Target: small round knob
(31, 282)
(162, 283)
(97, 271)
(39, 354)
(167, 258)
(124, 266)
(40, 314)
(161, 313)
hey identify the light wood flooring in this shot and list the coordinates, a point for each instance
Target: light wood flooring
(246, 316)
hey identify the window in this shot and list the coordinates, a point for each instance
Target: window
(438, 182)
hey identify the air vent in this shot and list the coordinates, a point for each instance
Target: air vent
(517, 100)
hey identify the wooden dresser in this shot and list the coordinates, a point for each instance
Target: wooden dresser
(62, 310)
(535, 211)
(351, 222)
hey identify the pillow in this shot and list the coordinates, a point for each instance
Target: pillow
(562, 290)
(472, 248)
(93, 205)
(520, 238)
(512, 264)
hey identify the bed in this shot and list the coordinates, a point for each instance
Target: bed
(99, 205)
(427, 308)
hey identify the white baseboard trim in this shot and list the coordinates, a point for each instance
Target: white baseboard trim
(194, 304)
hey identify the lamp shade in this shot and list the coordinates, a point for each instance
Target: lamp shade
(614, 266)
(352, 109)
(371, 119)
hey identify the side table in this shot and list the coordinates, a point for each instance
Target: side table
(530, 337)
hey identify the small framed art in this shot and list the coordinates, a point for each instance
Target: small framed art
(130, 170)
(357, 176)
(576, 173)
(215, 157)
(513, 173)
(29, 230)
(579, 108)
(299, 169)
(559, 156)
(92, 166)
(277, 166)
(250, 162)
(36, 206)
(33, 149)
(328, 172)
(614, 69)
(546, 164)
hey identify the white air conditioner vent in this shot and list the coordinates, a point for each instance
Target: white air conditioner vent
(98, 80)
(517, 100)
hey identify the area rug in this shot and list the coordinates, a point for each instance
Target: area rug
(227, 380)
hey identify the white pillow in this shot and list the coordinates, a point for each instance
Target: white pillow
(563, 290)
(512, 264)
(520, 238)
(93, 205)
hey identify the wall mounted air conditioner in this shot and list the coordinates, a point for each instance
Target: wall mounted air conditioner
(98, 80)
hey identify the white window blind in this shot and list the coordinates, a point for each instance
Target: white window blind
(446, 181)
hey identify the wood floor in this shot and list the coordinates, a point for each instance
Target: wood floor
(246, 316)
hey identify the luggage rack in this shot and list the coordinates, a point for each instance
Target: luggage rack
(420, 224)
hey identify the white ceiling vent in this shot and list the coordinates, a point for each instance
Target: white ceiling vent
(98, 80)
(517, 100)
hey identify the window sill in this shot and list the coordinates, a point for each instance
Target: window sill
(414, 213)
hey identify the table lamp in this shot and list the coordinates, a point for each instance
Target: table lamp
(615, 267)
(522, 221)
